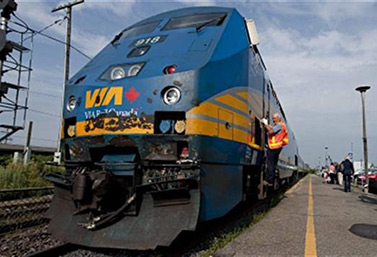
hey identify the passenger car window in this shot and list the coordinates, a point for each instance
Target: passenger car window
(140, 29)
(196, 21)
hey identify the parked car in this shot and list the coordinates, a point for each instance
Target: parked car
(357, 174)
(357, 177)
(373, 183)
(361, 177)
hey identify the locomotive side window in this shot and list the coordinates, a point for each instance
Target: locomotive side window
(196, 21)
(140, 29)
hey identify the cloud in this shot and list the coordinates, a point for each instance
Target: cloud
(336, 12)
(119, 8)
(39, 15)
(198, 2)
(315, 76)
(90, 42)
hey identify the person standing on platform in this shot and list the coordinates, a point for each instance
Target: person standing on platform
(332, 172)
(340, 173)
(348, 171)
(277, 138)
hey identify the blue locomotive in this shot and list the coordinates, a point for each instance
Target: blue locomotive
(162, 130)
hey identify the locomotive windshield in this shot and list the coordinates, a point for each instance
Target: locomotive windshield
(140, 29)
(196, 21)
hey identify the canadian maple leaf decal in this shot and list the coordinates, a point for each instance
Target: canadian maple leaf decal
(132, 95)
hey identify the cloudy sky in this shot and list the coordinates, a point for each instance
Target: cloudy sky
(316, 54)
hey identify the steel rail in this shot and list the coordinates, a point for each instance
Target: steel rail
(11, 190)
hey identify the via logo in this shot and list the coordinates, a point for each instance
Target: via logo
(107, 95)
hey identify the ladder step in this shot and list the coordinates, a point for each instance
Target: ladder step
(13, 86)
(18, 47)
(10, 127)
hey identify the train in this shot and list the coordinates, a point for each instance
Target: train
(162, 130)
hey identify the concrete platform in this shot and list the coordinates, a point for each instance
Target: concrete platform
(314, 219)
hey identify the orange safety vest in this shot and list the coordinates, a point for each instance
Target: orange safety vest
(280, 139)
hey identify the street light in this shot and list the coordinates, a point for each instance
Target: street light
(326, 155)
(362, 89)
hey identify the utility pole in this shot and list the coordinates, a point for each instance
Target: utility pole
(68, 9)
(27, 150)
(362, 90)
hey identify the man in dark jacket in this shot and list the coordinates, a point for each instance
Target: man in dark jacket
(347, 168)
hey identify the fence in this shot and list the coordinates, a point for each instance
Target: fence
(25, 207)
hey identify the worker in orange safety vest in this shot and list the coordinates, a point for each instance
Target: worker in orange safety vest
(277, 138)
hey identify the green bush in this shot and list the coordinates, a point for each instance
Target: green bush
(31, 175)
(311, 171)
(5, 159)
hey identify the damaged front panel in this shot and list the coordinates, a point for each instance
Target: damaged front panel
(146, 147)
(154, 226)
(112, 122)
(125, 211)
(121, 189)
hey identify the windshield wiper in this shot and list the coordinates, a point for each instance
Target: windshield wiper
(116, 38)
(199, 27)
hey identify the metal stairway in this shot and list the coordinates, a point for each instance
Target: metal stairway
(14, 95)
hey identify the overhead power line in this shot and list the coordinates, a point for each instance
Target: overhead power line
(40, 32)
(57, 22)
(44, 94)
(62, 42)
(23, 22)
(45, 113)
(36, 138)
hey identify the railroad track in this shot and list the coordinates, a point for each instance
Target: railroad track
(26, 212)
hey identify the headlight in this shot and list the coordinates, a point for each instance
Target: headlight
(171, 95)
(117, 73)
(134, 70)
(71, 104)
(122, 71)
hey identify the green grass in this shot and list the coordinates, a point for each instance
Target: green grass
(220, 242)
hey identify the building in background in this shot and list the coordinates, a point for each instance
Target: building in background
(359, 166)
